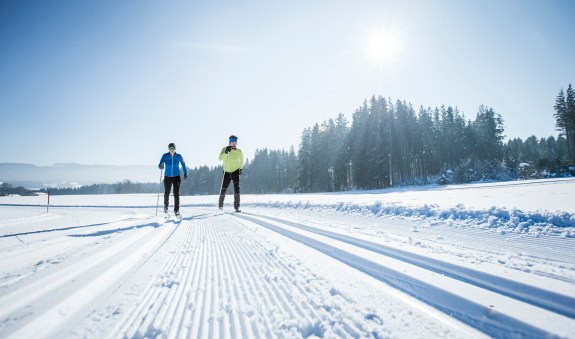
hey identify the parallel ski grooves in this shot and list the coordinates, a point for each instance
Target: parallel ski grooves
(90, 273)
(549, 300)
(223, 284)
(498, 324)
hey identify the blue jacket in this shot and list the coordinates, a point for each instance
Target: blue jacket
(173, 164)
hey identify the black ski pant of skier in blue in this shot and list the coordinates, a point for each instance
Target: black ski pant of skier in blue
(168, 182)
(228, 177)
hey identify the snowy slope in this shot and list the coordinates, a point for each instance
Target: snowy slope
(457, 261)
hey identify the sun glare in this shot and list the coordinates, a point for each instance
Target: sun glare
(383, 46)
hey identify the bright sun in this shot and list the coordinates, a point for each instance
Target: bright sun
(383, 46)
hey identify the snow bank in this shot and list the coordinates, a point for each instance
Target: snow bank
(501, 219)
(530, 207)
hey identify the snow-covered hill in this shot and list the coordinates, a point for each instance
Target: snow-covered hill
(456, 261)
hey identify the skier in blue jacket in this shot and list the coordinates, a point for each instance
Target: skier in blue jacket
(171, 161)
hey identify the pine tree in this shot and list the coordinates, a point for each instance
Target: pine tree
(341, 160)
(569, 119)
(404, 137)
(565, 118)
(304, 171)
(358, 146)
(319, 159)
(562, 149)
(489, 135)
(530, 150)
(560, 110)
(291, 174)
(378, 145)
(427, 163)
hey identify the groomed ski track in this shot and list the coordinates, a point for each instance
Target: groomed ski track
(248, 275)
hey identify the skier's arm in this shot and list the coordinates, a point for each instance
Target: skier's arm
(161, 164)
(241, 159)
(184, 166)
(223, 154)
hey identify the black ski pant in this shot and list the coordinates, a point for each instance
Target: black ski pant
(228, 177)
(168, 182)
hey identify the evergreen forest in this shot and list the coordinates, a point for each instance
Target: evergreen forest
(388, 144)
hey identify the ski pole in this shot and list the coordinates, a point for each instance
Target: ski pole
(158, 201)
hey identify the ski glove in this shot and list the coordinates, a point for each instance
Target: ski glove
(240, 171)
(185, 176)
(228, 149)
(161, 166)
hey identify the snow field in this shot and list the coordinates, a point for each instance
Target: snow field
(222, 277)
(293, 266)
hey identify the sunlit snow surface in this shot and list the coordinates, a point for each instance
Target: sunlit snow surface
(492, 259)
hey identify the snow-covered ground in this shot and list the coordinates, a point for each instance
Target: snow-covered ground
(482, 260)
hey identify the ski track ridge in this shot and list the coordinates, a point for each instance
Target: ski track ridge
(85, 280)
(492, 322)
(222, 283)
(552, 301)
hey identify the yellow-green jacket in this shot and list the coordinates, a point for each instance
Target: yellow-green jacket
(233, 160)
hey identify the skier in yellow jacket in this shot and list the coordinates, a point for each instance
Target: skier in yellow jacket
(233, 159)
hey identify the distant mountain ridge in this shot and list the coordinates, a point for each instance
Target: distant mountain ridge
(72, 174)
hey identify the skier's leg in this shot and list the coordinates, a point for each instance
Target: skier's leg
(225, 183)
(236, 178)
(177, 181)
(167, 189)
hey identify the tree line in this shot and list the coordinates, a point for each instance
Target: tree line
(123, 187)
(9, 189)
(270, 171)
(390, 144)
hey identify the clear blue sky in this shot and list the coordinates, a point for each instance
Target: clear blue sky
(113, 82)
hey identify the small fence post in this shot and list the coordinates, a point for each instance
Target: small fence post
(48, 205)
